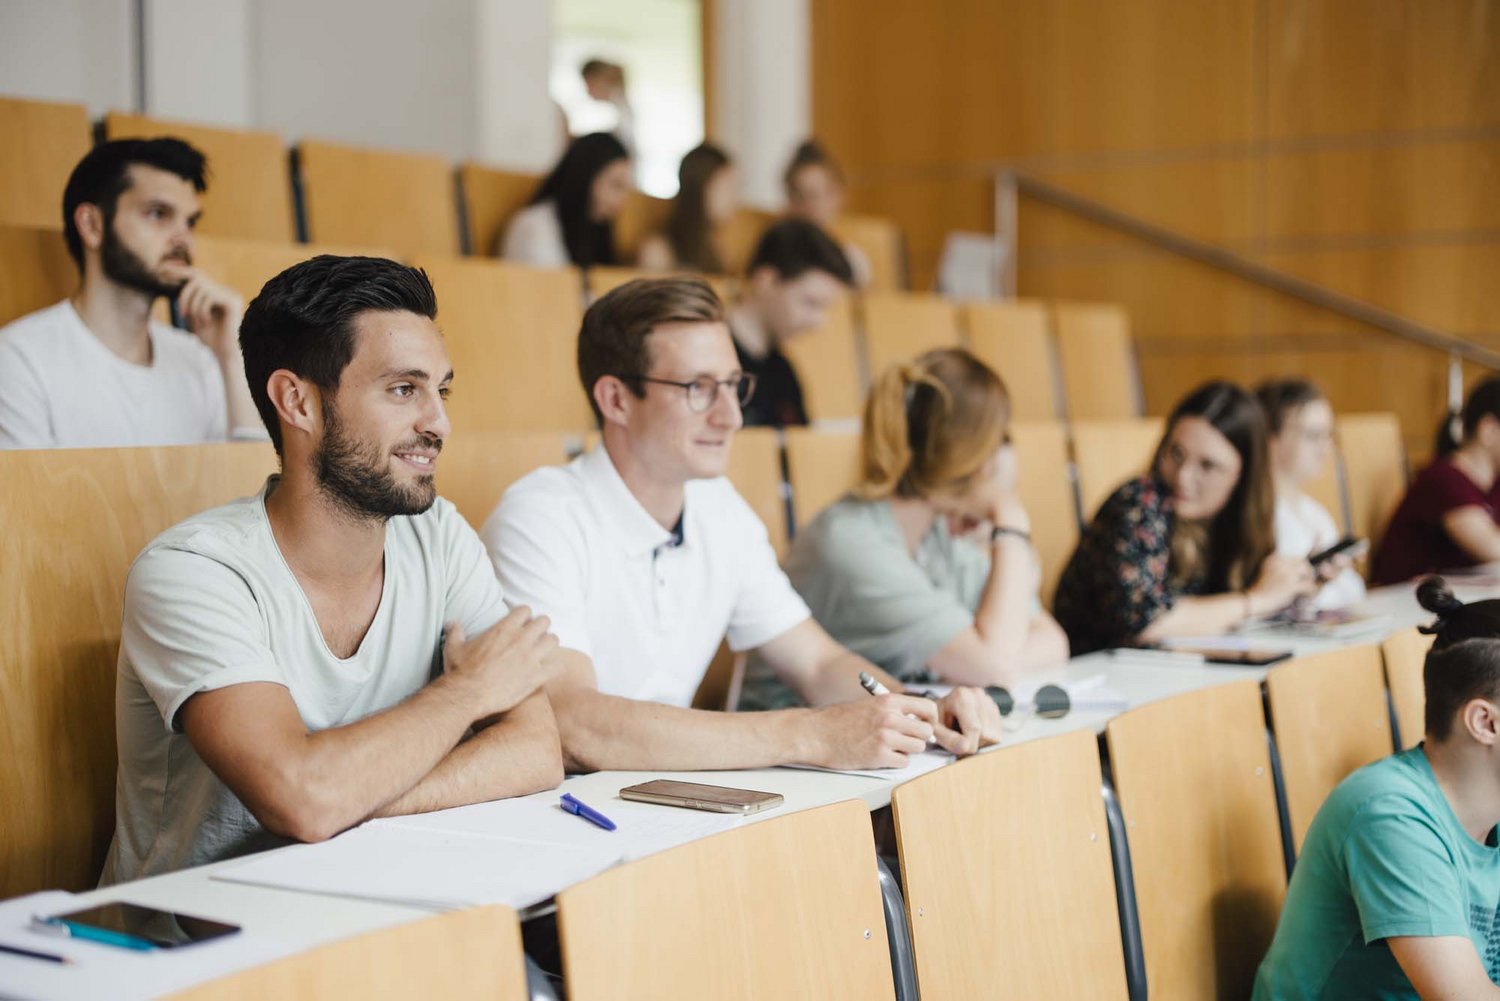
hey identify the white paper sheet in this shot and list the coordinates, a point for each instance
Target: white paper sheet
(419, 867)
(640, 828)
(916, 764)
(103, 971)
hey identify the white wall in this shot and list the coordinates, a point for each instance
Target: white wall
(764, 98)
(516, 123)
(464, 78)
(393, 73)
(69, 50)
(198, 61)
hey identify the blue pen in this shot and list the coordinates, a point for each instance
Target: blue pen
(72, 929)
(578, 809)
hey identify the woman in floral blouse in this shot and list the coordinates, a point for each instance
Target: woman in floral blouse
(1188, 549)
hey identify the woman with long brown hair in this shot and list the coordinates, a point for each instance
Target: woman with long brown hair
(1189, 548)
(892, 572)
(707, 196)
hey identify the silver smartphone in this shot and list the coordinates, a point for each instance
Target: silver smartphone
(698, 796)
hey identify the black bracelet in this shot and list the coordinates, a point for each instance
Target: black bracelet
(1000, 531)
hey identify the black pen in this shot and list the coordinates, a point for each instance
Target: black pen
(50, 957)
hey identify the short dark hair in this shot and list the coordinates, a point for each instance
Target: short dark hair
(793, 247)
(1464, 662)
(304, 320)
(1279, 397)
(592, 66)
(103, 175)
(612, 340)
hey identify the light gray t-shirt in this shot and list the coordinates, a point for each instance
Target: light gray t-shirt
(60, 387)
(864, 587)
(211, 603)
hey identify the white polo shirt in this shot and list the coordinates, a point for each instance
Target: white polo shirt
(573, 543)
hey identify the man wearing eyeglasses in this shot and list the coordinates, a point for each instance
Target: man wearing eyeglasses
(644, 557)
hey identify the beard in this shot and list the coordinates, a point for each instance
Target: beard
(124, 266)
(357, 476)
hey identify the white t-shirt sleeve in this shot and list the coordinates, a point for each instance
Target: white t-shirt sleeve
(191, 624)
(534, 237)
(541, 557)
(24, 411)
(474, 599)
(767, 605)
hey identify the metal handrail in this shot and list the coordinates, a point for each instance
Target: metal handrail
(1011, 183)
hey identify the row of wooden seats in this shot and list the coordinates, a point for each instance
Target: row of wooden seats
(514, 322)
(1005, 859)
(1009, 867)
(80, 516)
(414, 203)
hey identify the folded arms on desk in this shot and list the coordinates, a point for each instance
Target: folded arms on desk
(413, 757)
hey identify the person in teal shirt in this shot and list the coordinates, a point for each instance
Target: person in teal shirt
(1397, 891)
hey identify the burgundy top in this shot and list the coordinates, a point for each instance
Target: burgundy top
(1416, 542)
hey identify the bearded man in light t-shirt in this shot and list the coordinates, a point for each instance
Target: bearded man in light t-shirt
(334, 647)
(94, 370)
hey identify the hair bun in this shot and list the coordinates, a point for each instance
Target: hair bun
(1434, 594)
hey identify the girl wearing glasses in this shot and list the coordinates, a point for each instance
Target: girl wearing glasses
(926, 568)
(1300, 422)
(1189, 548)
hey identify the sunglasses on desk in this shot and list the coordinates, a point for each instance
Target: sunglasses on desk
(1051, 702)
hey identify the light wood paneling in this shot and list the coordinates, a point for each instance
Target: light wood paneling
(43, 142)
(1005, 865)
(828, 365)
(899, 326)
(1107, 453)
(1329, 714)
(642, 216)
(739, 236)
(249, 192)
(35, 270)
(512, 335)
(785, 908)
(1432, 187)
(1193, 774)
(1405, 656)
(1350, 144)
(1374, 466)
(246, 265)
(491, 197)
(477, 467)
(75, 520)
(474, 953)
(600, 280)
(1097, 360)
(1046, 488)
(1015, 339)
(880, 240)
(1346, 67)
(378, 198)
(822, 466)
(755, 471)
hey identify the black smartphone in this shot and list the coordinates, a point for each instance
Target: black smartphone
(135, 926)
(1239, 658)
(1347, 546)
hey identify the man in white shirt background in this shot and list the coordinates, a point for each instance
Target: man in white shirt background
(94, 370)
(644, 557)
(336, 646)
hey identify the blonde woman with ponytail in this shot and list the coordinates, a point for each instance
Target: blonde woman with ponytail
(926, 568)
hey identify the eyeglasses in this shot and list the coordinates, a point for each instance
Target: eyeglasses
(703, 392)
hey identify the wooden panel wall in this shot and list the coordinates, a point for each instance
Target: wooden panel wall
(1350, 143)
